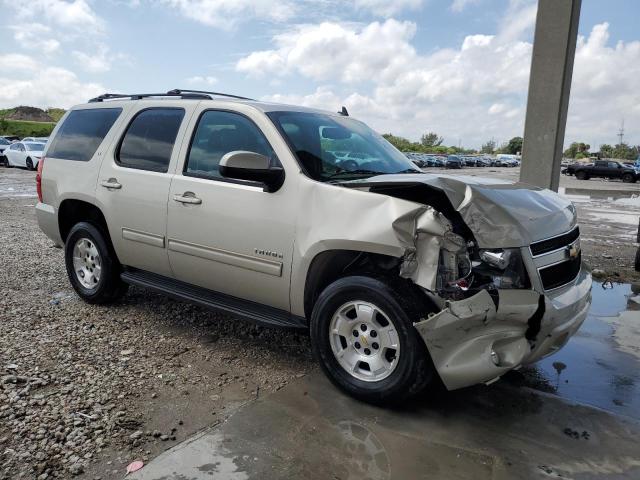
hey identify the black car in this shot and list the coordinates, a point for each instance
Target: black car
(453, 161)
(606, 169)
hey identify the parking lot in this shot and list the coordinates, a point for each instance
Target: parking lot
(87, 389)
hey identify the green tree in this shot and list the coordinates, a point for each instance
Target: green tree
(431, 139)
(488, 147)
(577, 147)
(513, 147)
(623, 151)
(606, 151)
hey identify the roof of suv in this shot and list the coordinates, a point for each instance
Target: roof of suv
(209, 97)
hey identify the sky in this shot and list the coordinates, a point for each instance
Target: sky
(456, 67)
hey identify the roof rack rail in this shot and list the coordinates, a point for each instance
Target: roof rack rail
(139, 96)
(179, 91)
(192, 94)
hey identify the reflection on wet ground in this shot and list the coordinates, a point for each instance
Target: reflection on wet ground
(600, 365)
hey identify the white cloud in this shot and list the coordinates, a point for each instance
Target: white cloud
(202, 80)
(225, 14)
(604, 89)
(33, 36)
(460, 5)
(76, 14)
(332, 50)
(387, 8)
(43, 86)
(16, 62)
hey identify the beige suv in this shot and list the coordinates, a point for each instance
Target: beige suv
(302, 218)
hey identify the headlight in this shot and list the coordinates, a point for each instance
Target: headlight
(502, 267)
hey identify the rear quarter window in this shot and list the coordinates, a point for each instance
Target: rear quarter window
(82, 133)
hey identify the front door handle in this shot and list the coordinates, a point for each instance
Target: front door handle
(187, 197)
(111, 183)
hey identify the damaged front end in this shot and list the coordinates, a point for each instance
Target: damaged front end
(472, 256)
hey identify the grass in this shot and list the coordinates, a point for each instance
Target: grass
(25, 129)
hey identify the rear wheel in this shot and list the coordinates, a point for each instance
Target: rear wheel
(92, 267)
(29, 163)
(362, 333)
(628, 178)
(582, 175)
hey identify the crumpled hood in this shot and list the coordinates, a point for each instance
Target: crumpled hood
(498, 212)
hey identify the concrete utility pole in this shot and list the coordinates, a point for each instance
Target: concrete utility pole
(554, 48)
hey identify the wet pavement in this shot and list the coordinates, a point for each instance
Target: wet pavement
(310, 430)
(600, 366)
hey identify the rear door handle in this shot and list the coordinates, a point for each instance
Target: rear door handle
(111, 183)
(187, 197)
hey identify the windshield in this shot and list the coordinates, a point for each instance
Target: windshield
(34, 147)
(4, 141)
(331, 148)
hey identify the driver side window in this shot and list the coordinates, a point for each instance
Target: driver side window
(217, 134)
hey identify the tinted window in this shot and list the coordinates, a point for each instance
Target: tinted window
(4, 141)
(219, 133)
(148, 142)
(82, 133)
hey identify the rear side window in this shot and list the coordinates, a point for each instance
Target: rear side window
(149, 140)
(82, 133)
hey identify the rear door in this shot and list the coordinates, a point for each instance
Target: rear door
(134, 180)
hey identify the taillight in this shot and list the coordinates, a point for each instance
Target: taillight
(39, 179)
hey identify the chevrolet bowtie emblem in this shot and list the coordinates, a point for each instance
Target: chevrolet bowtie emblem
(573, 250)
(364, 341)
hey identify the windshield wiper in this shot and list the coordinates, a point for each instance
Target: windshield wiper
(355, 172)
(410, 170)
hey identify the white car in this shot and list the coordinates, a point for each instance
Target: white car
(36, 139)
(4, 144)
(24, 154)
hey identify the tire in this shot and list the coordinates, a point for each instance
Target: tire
(91, 247)
(355, 296)
(628, 178)
(582, 175)
(29, 164)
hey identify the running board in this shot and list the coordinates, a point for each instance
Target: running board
(256, 312)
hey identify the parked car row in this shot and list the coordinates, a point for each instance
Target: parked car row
(25, 153)
(425, 160)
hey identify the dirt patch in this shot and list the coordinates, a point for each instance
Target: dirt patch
(31, 114)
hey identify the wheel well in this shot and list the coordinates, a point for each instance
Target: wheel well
(71, 212)
(331, 265)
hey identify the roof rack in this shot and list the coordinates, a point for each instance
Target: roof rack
(190, 94)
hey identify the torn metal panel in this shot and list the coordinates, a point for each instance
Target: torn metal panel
(499, 213)
(384, 225)
(471, 341)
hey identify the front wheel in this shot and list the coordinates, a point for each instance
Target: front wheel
(582, 175)
(29, 164)
(92, 267)
(363, 336)
(628, 178)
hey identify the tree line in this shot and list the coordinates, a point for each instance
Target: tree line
(431, 142)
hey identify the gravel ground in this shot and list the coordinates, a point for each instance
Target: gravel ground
(84, 390)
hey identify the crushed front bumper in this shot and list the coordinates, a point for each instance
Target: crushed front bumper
(472, 341)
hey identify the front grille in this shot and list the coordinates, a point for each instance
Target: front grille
(546, 246)
(555, 276)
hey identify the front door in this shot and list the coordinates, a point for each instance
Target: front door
(133, 185)
(230, 236)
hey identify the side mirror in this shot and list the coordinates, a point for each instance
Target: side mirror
(251, 166)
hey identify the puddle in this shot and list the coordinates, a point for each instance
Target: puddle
(600, 365)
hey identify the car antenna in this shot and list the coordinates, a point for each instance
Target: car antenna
(344, 112)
